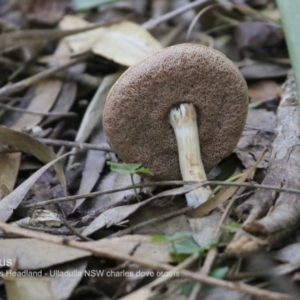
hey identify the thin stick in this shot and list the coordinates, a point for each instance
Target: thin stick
(109, 253)
(163, 183)
(151, 221)
(23, 84)
(150, 24)
(69, 144)
(40, 113)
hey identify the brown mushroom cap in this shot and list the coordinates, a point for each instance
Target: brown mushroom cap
(136, 114)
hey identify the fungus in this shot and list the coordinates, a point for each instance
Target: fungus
(179, 112)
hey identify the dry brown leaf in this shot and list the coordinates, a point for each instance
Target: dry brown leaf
(140, 294)
(110, 181)
(263, 90)
(49, 12)
(289, 253)
(137, 245)
(13, 40)
(93, 167)
(46, 95)
(28, 288)
(9, 166)
(13, 200)
(117, 214)
(31, 146)
(33, 254)
(224, 195)
(94, 112)
(261, 119)
(204, 229)
(125, 43)
(63, 286)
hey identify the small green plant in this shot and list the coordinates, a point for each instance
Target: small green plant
(130, 169)
(181, 245)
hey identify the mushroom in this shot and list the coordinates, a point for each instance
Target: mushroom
(165, 109)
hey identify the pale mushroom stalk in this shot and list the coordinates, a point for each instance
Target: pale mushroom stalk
(184, 122)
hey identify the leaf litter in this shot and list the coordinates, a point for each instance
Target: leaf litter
(262, 221)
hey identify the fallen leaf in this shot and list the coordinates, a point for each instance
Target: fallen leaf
(46, 95)
(224, 195)
(263, 90)
(49, 12)
(28, 288)
(13, 200)
(63, 286)
(9, 166)
(94, 112)
(117, 214)
(32, 254)
(94, 164)
(125, 43)
(137, 245)
(31, 146)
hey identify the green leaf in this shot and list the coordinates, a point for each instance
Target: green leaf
(233, 226)
(290, 17)
(159, 238)
(187, 246)
(219, 273)
(130, 169)
(187, 288)
(88, 4)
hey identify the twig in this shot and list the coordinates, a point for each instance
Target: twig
(84, 79)
(109, 253)
(166, 277)
(69, 144)
(163, 183)
(213, 252)
(40, 113)
(23, 84)
(150, 24)
(151, 221)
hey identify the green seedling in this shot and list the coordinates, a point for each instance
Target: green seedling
(130, 169)
(181, 245)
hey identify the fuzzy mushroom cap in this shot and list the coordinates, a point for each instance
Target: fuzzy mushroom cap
(136, 113)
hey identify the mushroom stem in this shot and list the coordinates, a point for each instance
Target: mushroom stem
(184, 123)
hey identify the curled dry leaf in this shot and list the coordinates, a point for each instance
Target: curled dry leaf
(125, 43)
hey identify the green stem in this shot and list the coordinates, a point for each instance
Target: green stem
(134, 189)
